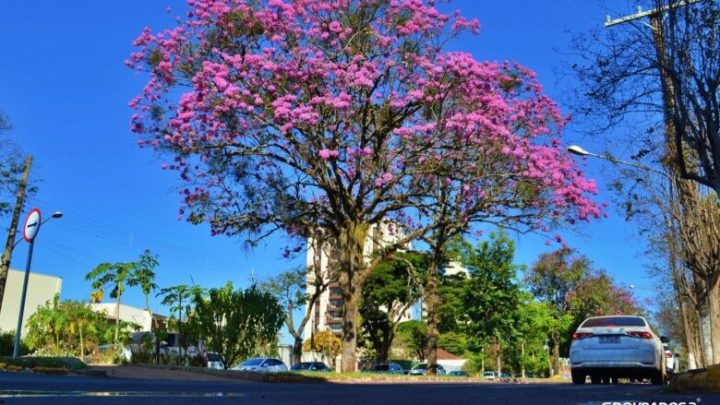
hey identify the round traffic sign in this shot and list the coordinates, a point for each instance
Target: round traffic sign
(32, 225)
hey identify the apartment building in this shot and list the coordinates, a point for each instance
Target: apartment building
(328, 311)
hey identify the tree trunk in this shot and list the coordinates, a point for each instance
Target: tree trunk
(10, 243)
(555, 362)
(432, 302)
(350, 244)
(117, 319)
(498, 358)
(691, 336)
(82, 344)
(714, 315)
(349, 337)
(297, 349)
(522, 359)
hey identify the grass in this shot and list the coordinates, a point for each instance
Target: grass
(42, 363)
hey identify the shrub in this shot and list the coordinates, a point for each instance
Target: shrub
(7, 342)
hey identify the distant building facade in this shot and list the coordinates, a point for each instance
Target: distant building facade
(41, 288)
(139, 316)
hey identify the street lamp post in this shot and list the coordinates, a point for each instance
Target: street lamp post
(578, 150)
(30, 231)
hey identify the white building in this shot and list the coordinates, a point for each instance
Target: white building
(449, 361)
(453, 268)
(139, 316)
(41, 288)
(328, 310)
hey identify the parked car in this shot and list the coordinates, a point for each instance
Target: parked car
(215, 360)
(262, 365)
(310, 366)
(489, 375)
(421, 369)
(670, 359)
(457, 373)
(392, 368)
(618, 346)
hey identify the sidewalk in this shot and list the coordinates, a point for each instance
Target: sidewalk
(706, 379)
(157, 373)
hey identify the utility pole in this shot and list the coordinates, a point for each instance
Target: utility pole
(10, 243)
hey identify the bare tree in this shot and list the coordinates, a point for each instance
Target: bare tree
(664, 76)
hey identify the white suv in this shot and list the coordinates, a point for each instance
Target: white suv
(620, 346)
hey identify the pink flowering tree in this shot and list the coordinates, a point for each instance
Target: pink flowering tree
(301, 115)
(495, 158)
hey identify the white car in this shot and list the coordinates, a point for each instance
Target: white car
(620, 346)
(262, 365)
(669, 359)
(215, 360)
(489, 375)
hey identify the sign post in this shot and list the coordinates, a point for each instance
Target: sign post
(30, 230)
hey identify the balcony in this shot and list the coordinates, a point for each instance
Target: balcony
(334, 305)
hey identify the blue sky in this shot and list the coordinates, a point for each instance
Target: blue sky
(65, 88)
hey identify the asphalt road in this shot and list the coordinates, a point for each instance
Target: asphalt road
(29, 388)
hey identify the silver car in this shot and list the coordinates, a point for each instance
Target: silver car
(262, 365)
(621, 346)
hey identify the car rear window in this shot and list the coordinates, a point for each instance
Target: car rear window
(614, 321)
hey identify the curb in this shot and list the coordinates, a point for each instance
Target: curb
(243, 375)
(706, 379)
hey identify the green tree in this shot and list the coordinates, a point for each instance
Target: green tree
(491, 295)
(533, 322)
(235, 323)
(179, 299)
(116, 275)
(84, 322)
(390, 291)
(452, 313)
(453, 342)
(412, 336)
(551, 279)
(290, 289)
(143, 275)
(68, 328)
(598, 294)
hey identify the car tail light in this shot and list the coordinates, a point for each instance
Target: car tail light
(641, 335)
(580, 335)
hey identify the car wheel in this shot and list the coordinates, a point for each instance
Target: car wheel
(577, 377)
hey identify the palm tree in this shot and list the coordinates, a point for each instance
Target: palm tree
(116, 275)
(143, 274)
(174, 297)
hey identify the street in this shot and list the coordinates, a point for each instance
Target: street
(56, 390)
